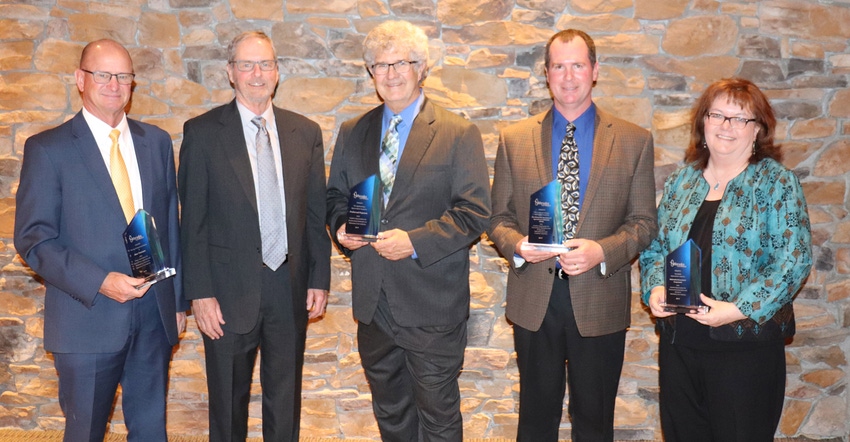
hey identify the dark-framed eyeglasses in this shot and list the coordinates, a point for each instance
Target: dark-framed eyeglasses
(736, 122)
(248, 65)
(101, 77)
(401, 67)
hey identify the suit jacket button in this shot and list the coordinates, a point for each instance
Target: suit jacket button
(385, 221)
(550, 270)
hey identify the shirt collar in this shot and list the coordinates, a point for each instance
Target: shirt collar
(246, 115)
(101, 129)
(407, 115)
(585, 121)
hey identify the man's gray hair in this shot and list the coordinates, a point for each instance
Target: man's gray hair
(231, 48)
(401, 36)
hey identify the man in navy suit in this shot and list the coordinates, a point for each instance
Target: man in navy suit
(71, 213)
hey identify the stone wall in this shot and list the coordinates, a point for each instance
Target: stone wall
(656, 57)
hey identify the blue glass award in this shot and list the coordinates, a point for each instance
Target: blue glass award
(546, 220)
(147, 259)
(683, 279)
(364, 210)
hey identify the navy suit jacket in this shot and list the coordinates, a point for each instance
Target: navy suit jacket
(69, 226)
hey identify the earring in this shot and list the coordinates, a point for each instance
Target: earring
(754, 147)
(704, 146)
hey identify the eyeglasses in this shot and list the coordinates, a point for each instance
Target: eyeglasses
(735, 122)
(101, 77)
(248, 65)
(401, 67)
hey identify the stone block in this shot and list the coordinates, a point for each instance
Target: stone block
(57, 56)
(464, 12)
(700, 36)
(313, 95)
(90, 27)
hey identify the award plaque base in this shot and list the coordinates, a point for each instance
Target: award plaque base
(364, 238)
(161, 275)
(685, 308)
(557, 248)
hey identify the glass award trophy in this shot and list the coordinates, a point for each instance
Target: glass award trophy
(546, 220)
(683, 280)
(364, 210)
(147, 259)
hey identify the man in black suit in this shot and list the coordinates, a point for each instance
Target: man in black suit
(81, 183)
(256, 253)
(411, 287)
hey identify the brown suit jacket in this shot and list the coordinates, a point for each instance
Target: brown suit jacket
(618, 212)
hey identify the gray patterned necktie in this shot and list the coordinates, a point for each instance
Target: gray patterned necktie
(389, 157)
(569, 178)
(272, 214)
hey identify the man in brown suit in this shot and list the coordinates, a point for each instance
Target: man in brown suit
(572, 306)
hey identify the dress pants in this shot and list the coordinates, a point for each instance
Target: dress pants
(88, 381)
(230, 364)
(413, 373)
(593, 370)
(721, 396)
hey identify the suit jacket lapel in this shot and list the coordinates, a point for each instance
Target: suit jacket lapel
(144, 160)
(371, 143)
(233, 140)
(417, 144)
(542, 139)
(86, 145)
(290, 161)
(603, 145)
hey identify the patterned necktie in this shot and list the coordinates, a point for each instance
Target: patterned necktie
(120, 178)
(569, 178)
(389, 157)
(272, 215)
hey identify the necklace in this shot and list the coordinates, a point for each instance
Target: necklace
(717, 181)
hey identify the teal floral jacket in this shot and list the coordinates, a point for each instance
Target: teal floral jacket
(761, 244)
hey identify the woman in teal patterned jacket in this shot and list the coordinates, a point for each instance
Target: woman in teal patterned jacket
(722, 372)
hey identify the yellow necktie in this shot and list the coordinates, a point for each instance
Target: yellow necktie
(120, 179)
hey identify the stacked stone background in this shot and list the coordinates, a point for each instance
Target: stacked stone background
(656, 57)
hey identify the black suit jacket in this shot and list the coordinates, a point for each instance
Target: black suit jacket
(440, 197)
(69, 226)
(220, 230)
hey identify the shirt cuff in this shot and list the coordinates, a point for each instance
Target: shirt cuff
(519, 261)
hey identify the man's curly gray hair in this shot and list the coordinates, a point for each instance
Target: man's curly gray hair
(398, 35)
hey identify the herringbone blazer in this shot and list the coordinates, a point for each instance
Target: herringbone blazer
(618, 212)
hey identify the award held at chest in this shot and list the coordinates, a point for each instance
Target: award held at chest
(683, 280)
(546, 220)
(147, 259)
(364, 210)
